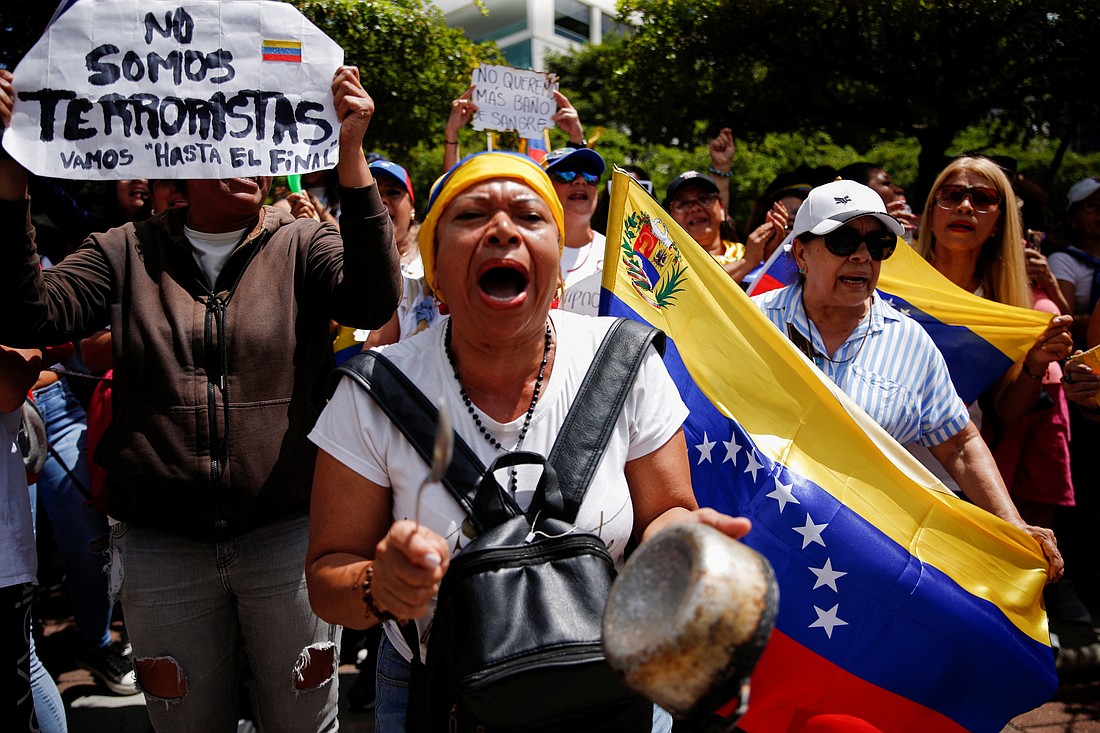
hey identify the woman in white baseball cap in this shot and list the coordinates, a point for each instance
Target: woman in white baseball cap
(881, 358)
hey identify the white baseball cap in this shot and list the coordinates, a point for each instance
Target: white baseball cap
(1081, 190)
(832, 205)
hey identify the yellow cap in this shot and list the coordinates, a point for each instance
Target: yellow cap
(472, 170)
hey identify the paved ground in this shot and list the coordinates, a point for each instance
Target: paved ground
(1075, 708)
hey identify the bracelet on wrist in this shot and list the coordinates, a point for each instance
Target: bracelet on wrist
(711, 169)
(1029, 375)
(577, 146)
(450, 142)
(368, 597)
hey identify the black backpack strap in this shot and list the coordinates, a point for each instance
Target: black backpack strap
(415, 416)
(584, 434)
(587, 428)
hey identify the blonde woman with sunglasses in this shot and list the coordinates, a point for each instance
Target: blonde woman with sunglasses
(971, 232)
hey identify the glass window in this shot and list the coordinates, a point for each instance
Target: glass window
(518, 55)
(573, 20)
(609, 26)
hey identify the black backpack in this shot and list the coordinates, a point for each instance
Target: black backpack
(515, 643)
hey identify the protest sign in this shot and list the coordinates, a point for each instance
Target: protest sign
(514, 99)
(176, 89)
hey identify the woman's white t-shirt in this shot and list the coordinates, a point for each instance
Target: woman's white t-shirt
(357, 433)
(582, 271)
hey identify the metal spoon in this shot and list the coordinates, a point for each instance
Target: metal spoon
(441, 453)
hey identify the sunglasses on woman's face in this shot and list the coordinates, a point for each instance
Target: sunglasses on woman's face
(569, 176)
(982, 198)
(843, 242)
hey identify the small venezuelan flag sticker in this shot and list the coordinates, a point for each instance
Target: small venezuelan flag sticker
(282, 51)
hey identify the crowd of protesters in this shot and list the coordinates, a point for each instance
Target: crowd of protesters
(164, 492)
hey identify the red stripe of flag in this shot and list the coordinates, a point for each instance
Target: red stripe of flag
(790, 679)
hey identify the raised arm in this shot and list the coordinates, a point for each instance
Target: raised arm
(722, 149)
(358, 268)
(462, 111)
(568, 121)
(36, 313)
(354, 109)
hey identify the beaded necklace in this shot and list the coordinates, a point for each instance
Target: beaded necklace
(470, 404)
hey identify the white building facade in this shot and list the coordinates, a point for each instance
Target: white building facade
(527, 30)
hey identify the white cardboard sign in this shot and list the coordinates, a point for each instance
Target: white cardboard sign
(514, 99)
(176, 89)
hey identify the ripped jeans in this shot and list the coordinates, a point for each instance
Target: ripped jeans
(190, 606)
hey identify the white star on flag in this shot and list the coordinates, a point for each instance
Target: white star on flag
(826, 575)
(828, 620)
(704, 449)
(754, 465)
(783, 494)
(811, 532)
(732, 449)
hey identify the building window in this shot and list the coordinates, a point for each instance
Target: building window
(572, 20)
(518, 55)
(611, 27)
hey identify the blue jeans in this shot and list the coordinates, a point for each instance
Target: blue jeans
(392, 693)
(191, 606)
(47, 700)
(31, 701)
(81, 531)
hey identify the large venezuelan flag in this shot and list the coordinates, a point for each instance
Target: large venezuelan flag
(899, 603)
(980, 339)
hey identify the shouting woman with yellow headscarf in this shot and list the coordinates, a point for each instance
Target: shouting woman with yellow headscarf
(511, 367)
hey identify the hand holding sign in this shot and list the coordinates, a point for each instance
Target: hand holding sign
(13, 177)
(354, 108)
(567, 119)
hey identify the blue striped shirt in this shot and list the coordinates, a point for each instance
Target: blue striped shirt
(896, 374)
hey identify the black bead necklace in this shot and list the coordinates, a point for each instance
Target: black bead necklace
(470, 404)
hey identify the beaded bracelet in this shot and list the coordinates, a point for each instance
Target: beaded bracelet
(720, 174)
(368, 599)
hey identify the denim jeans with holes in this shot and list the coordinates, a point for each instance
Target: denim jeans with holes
(191, 606)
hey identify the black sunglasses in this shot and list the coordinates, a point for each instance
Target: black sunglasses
(843, 242)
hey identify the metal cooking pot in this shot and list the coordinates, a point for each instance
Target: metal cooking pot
(687, 620)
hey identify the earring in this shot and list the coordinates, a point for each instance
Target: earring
(559, 296)
(801, 270)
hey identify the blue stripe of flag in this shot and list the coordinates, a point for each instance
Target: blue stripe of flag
(974, 363)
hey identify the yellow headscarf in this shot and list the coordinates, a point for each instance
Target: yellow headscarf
(473, 170)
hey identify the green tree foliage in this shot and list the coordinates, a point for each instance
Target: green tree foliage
(410, 62)
(862, 71)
